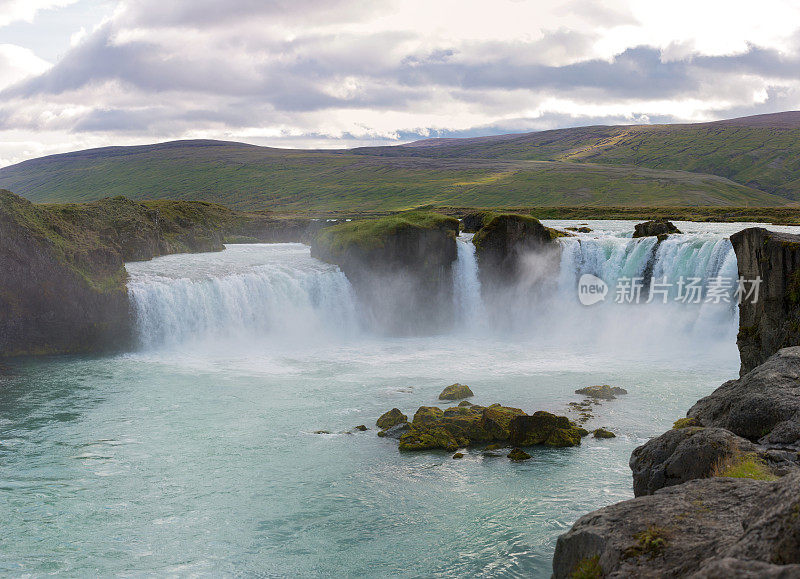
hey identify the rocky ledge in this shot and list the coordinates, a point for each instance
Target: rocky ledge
(399, 266)
(717, 496)
(503, 242)
(63, 283)
(773, 321)
(660, 228)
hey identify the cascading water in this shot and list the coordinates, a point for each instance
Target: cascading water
(466, 285)
(248, 291)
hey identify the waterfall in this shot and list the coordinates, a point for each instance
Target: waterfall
(467, 298)
(247, 292)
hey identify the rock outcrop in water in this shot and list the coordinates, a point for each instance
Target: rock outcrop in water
(773, 322)
(469, 425)
(708, 504)
(660, 228)
(400, 267)
(62, 288)
(504, 242)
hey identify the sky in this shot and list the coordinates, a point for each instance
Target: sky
(76, 74)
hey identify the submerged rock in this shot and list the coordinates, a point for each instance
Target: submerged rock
(456, 392)
(657, 228)
(391, 418)
(604, 392)
(603, 433)
(518, 454)
(697, 529)
(361, 428)
(395, 431)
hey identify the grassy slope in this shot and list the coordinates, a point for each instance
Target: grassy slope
(249, 178)
(762, 157)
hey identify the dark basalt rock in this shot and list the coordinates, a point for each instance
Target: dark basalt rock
(773, 322)
(504, 241)
(657, 228)
(603, 433)
(395, 431)
(703, 526)
(473, 221)
(763, 405)
(681, 455)
(400, 267)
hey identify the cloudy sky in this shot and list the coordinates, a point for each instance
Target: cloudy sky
(338, 73)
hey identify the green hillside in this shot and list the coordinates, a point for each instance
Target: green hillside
(762, 152)
(677, 165)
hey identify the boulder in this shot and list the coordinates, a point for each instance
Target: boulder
(657, 228)
(518, 454)
(763, 405)
(456, 392)
(693, 528)
(361, 428)
(603, 433)
(771, 322)
(604, 392)
(543, 428)
(458, 455)
(681, 455)
(391, 418)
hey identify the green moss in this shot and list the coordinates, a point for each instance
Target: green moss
(367, 234)
(685, 423)
(651, 542)
(588, 568)
(745, 466)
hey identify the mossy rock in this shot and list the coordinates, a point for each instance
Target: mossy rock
(543, 428)
(518, 454)
(456, 392)
(429, 439)
(458, 455)
(604, 392)
(427, 414)
(361, 428)
(395, 431)
(391, 418)
(603, 433)
(465, 403)
(686, 423)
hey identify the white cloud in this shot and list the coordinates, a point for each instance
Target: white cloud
(339, 72)
(25, 10)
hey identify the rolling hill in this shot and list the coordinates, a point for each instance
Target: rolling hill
(751, 162)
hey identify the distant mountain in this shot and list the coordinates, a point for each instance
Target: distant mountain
(752, 161)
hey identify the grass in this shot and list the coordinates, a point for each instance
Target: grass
(249, 178)
(744, 466)
(371, 233)
(588, 568)
(652, 542)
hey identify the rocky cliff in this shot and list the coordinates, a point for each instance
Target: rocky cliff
(717, 496)
(62, 288)
(400, 267)
(773, 322)
(504, 242)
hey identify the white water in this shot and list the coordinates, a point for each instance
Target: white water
(196, 456)
(248, 292)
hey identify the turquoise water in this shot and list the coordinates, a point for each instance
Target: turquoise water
(196, 455)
